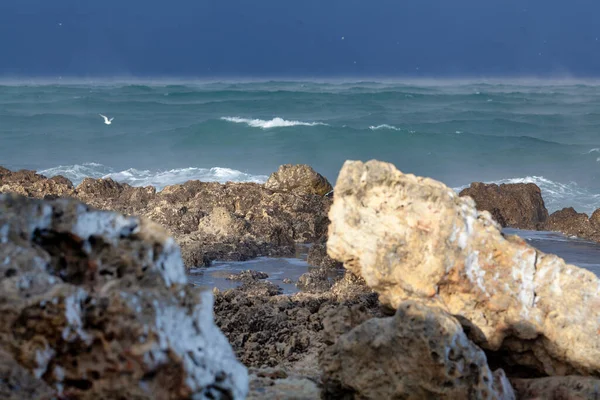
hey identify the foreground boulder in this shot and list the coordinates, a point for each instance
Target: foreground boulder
(414, 238)
(97, 305)
(518, 205)
(419, 353)
(209, 220)
(299, 179)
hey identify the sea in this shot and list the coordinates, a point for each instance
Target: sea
(170, 131)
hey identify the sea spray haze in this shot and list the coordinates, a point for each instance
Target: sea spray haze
(455, 131)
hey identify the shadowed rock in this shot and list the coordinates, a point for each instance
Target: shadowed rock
(414, 238)
(419, 353)
(517, 205)
(557, 388)
(571, 223)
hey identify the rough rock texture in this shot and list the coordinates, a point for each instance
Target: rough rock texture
(419, 353)
(232, 221)
(572, 223)
(518, 205)
(97, 305)
(17, 383)
(319, 280)
(557, 388)
(279, 384)
(28, 183)
(248, 275)
(268, 330)
(298, 179)
(414, 238)
(317, 256)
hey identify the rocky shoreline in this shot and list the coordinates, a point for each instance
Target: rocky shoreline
(435, 301)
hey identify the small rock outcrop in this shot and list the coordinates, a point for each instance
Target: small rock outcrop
(413, 238)
(516, 205)
(571, 223)
(95, 304)
(301, 179)
(420, 353)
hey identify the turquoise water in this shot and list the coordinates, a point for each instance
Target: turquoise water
(457, 132)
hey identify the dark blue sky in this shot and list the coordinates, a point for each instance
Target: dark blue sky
(301, 38)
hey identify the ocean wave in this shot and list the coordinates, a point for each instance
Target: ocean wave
(384, 126)
(274, 123)
(557, 195)
(158, 179)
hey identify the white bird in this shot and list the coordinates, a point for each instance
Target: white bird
(106, 120)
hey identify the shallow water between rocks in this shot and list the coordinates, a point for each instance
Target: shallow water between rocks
(579, 252)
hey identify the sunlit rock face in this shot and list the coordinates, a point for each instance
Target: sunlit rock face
(414, 238)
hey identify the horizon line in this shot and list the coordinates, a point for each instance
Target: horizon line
(158, 80)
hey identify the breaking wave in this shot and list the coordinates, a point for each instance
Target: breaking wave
(273, 123)
(384, 126)
(158, 178)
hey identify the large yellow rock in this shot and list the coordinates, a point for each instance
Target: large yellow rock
(414, 238)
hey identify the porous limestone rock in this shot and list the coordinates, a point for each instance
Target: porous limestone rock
(97, 305)
(515, 205)
(299, 179)
(420, 353)
(414, 238)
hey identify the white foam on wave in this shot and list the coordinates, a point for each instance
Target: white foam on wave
(557, 195)
(384, 126)
(273, 123)
(158, 179)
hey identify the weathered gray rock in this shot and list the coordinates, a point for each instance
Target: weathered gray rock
(414, 238)
(298, 179)
(17, 383)
(97, 305)
(420, 353)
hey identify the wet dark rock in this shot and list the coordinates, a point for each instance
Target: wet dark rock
(518, 205)
(571, 223)
(317, 280)
(318, 257)
(281, 331)
(248, 275)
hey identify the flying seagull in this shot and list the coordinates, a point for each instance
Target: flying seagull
(106, 120)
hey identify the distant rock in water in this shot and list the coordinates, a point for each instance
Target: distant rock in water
(571, 223)
(424, 243)
(232, 221)
(96, 305)
(513, 205)
(301, 179)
